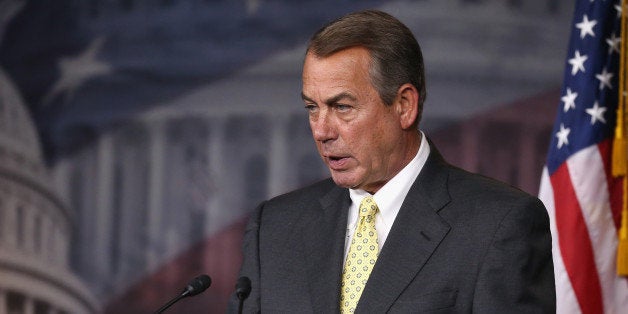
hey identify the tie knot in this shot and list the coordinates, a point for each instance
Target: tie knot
(368, 207)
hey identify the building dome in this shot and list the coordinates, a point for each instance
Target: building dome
(19, 145)
(35, 225)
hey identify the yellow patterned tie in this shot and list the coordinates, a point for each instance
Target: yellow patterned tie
(362, 256)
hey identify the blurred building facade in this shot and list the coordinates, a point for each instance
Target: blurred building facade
(155, 186)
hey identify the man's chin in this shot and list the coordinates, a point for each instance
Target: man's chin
(343, 181)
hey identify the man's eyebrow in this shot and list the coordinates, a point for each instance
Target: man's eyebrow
(306, 99)
(339, 97)
(331, 100)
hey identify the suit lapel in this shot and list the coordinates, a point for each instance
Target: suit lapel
(324, 253)
(415, 234)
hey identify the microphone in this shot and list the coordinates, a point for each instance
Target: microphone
(194, 287)
(243, 289)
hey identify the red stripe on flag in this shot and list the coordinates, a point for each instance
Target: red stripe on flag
(615, 185)
(575, 245)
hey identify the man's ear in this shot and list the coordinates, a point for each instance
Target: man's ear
(407, 105)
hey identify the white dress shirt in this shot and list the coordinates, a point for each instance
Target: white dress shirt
(389, 198)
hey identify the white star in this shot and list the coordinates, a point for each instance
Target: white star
(605, 79)
(77, 70)
(570, 100)
(618, 8)
(562, 136)
(613, 43)
(577, 62)
(586, 27)
(597, 113)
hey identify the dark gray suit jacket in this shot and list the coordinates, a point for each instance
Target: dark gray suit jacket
(461, 243)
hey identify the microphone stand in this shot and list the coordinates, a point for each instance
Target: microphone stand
(240, 306)
(171, 302)
(196, 286)
(243, 289)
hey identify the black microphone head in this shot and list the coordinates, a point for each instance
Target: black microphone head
(243, 288)
(198, 285)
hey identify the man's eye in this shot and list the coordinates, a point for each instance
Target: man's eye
(310, 107)
(341, 107)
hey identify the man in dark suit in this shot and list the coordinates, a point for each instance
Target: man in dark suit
(396, 229)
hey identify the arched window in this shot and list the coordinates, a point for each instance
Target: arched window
(15, 302)
(42, 307)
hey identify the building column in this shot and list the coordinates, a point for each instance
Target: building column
(47, 228)
(62, 245)
(156, 170)
(58, 255)
(278, 170)
(29, 228)
(10, 226)
(216, 167)
(99, 254)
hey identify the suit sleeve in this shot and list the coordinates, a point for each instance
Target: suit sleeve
(517, 274)
(250, 265)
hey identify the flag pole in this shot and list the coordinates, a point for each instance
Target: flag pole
(620, 160)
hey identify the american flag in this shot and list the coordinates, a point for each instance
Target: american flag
(582, 197)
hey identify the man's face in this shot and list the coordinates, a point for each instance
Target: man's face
(357, 135)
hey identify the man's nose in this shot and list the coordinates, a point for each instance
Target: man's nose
(323, 128)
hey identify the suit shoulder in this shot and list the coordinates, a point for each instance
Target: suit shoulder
(307, 194)
(470, 186)
(281, 212)
(495, 204)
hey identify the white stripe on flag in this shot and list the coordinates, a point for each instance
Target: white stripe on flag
(566, 301)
